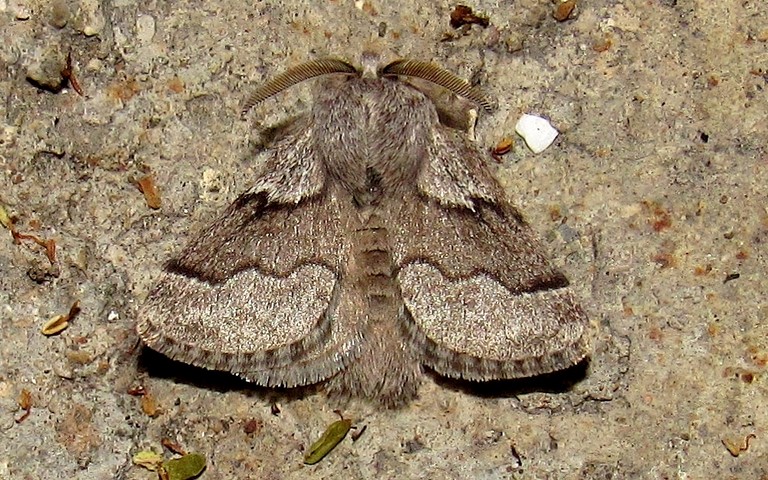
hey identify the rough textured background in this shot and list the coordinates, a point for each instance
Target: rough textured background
(653, 195)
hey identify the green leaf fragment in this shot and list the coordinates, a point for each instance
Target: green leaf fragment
(189, 466)
(147, 459)
(334, 434)
(5, 219)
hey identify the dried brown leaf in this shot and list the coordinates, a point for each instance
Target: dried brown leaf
(737, 446)
(151, 196)
(149, 405)
(563, 10)
(69, 76)
(463, 15)
(174, 447)
(25, 403)
(502, 148)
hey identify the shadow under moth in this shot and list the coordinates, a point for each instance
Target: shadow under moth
(375, 242)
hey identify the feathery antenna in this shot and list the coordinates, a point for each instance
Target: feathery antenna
(438, 76)
(295, 75)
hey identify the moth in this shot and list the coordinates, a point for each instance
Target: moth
(374, 244)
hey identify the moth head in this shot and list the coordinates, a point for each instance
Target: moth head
(369, 62)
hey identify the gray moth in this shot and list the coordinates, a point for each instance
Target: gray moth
(374, 243)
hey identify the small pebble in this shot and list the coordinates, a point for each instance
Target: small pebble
(44, 71)
(537, 132)
(19, 10)
(59, 13)
(145, 29)
(92, 17)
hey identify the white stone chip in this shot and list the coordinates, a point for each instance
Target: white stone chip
(537, 132)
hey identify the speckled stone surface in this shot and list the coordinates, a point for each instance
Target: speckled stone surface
(652, 199)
